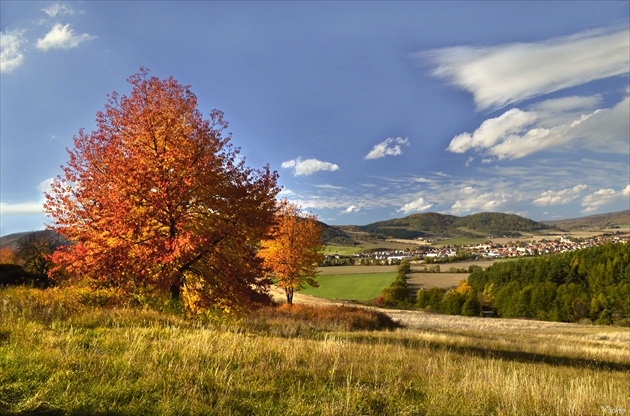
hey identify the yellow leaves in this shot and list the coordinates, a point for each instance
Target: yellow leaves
(463, 288)
(292, 253)
(7, 256)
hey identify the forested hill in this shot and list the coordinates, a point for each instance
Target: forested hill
(335, 235)
(433, 224)
(15, 241)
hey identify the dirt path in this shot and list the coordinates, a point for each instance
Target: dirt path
(278, 295)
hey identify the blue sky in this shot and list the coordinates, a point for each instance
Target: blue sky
(368, 110)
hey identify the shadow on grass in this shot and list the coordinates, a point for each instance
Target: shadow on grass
(498, 354)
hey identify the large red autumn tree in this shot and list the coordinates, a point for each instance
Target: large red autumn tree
(294, 249)
(157, 197)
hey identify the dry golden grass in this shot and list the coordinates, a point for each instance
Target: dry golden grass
(121, 361)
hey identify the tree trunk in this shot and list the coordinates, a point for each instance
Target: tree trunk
(175, 291)
(289, 292)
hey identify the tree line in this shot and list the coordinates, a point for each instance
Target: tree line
(590, 284)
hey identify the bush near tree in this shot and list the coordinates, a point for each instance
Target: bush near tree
(398, 293)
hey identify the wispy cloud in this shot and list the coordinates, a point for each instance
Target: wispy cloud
(534, 68)
(62, 37)
(551, 124)
(511, 189)
(308, 166)
(327, 186)
(58, 9)
(388, 147)
(422, 180)
(561, 197)
(604, 197)
(11, 54)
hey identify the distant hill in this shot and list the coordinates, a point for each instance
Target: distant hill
(13, 240)
(335, 235)
(432, 224)
(593, 221)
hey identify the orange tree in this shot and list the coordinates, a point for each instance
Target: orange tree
(157, 197)
(293, 251)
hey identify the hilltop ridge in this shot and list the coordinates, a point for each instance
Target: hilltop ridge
(433, 224)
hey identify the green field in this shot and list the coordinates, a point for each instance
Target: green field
(351, 286)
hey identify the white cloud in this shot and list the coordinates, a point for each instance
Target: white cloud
(501, 75)
(385, 149)
(550, 124)
(470, 199)
(604, 197)
(418, 205)
(21, 208)
(58, 8)
(561, 197)
(25, 208)
(492, 131)
(45, 185)
(11, 56)
(62, 37)
(422, 180)
(351, 209)
(308, 166)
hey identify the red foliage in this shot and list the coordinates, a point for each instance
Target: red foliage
(157, 196)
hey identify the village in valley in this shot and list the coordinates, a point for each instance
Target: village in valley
(491, 249)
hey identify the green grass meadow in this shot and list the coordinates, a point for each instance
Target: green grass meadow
(361, 287)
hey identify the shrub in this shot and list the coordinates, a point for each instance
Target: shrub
(471, 306)
(15, 275)
(397, 294)
(294, 320)
(430, 299)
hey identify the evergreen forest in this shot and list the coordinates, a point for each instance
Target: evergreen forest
(590, 284)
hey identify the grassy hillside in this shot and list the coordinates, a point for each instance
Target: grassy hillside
(61, 357)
